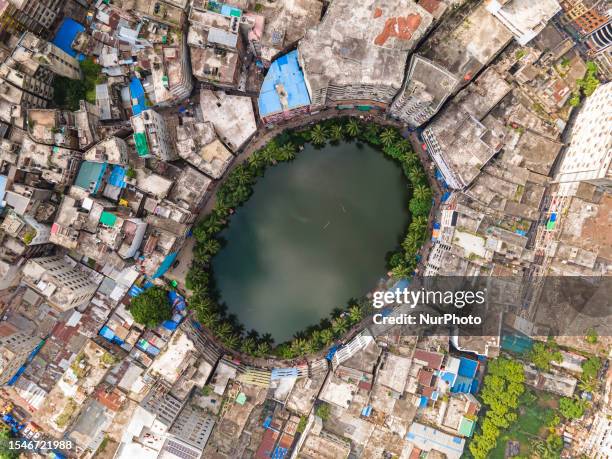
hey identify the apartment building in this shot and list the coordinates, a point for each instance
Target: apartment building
(62, 284)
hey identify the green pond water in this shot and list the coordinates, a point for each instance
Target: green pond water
(314, 234)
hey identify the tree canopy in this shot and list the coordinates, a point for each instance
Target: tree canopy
(151, 307)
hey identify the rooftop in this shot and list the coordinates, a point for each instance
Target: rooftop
(364, 43)
(197, 143)
(284, 87)
(463, 45)
(232, 116)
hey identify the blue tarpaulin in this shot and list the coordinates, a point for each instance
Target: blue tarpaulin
(66, 34)
(138, 96)
(331, 352)
(135, 290)
(109, 335)
(117, 177)
(366, 411)
(170, 325)
(284, 74)
(165, 265)
(445, 196)
(423, 402)
(553, 217)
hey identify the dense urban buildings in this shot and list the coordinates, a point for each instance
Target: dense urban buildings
(131, 132)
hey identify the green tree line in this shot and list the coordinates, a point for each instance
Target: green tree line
(237, 188)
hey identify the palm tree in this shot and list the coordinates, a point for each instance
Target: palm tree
(335, 132)
(418, 225)
(208, 318)
(232, 341)
(355, 314)
(256, 161)
(326, 336)
(318, 135)
(388, 136)
(242, 176)
(339, 326)
(211, 246)
(352, 127)
(223, 330)
(422, 192)
(267, 338)
(247, 345)
(286, 152)
(412, 242)
(268, 153)
(262, 349)
(416, 175)
(297, 346)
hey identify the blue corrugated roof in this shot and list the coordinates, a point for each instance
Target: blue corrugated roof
(66, 34)
(137, 92)
(286, 72)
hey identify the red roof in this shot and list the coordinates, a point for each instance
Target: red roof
(431, 359)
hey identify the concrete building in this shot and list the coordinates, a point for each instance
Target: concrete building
(216, 45)
(459, 141)
(63, 285)
(197, 143)
(232, 116)
(15, 347)
(524, 18)
(280, 25)
(283, 94)
(112, 150)
(34, 16)
(586, 15)
(590, 152)
(152, 136)
(449, 60)
(33, 52)
(357, 54)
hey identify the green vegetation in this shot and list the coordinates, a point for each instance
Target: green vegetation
(109, 359)
(79, 370)
(543, 354)
(103, 444)
(67, 93)
(586, 85)
(591, 336)
(5, 438)
(62, 420)
(571, 408)
(237, 188)
(302, 424)
(589, 83)
(130, 173)
(520, 53)
(151, 307)
(323, 411)
(503, 386)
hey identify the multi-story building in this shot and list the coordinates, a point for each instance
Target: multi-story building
(356, 55)
(524, 18)
(586, 15)
(15, 346)
(152, 136)
(589, 154)
(36, 16)
(451, 58)
(216, 45)
(33, 52)
(62, 284)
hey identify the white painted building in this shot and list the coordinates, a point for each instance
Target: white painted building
(589, 155)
